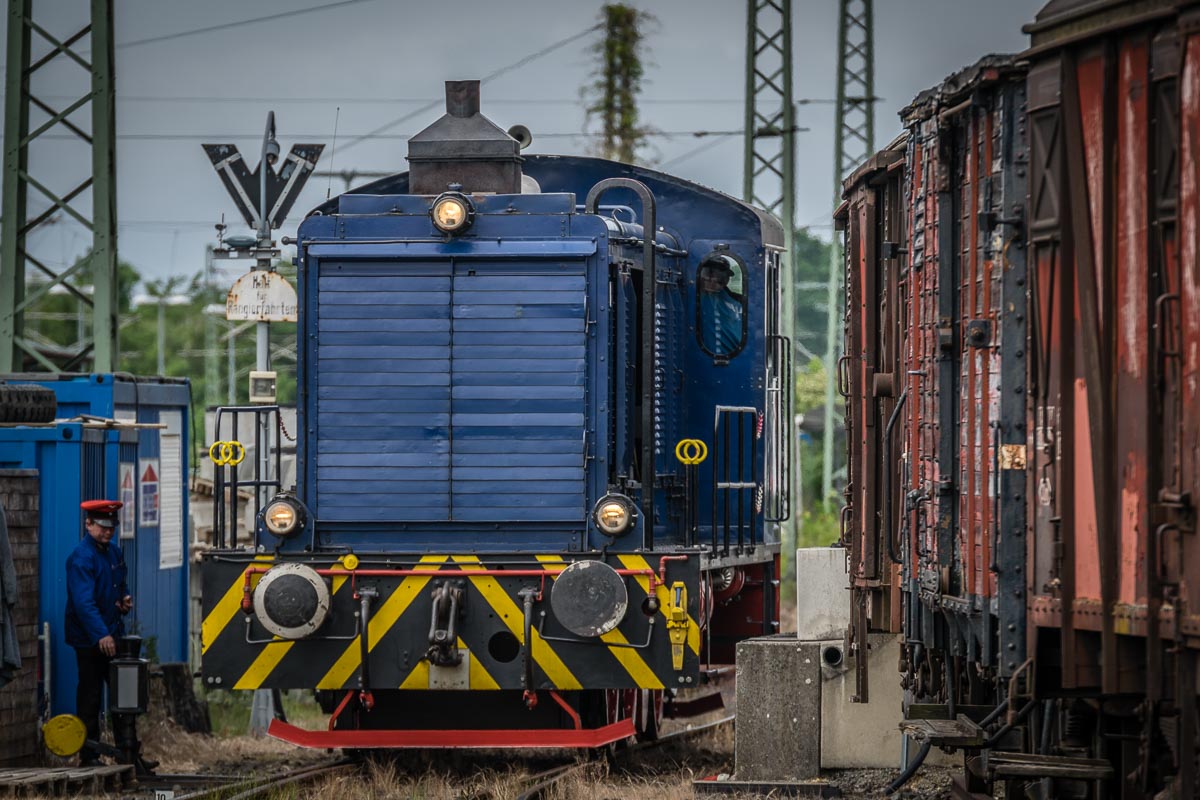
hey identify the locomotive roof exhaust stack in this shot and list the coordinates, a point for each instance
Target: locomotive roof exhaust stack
(464, 147)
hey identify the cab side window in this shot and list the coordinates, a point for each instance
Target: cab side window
(721, 305)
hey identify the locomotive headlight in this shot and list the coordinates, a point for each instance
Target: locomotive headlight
(615, 515)
(284, 515)
(452, 213)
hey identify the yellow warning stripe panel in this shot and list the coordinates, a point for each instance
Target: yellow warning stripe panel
(477, 674)
(227, 607)
(632, 661)
(267, 660)
(418, 678)
(512, 615)
(270, 656)
(628, 658)
(382, 620)
(664, 598)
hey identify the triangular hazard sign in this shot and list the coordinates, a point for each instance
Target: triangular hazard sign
(149, 476)
(128, 484)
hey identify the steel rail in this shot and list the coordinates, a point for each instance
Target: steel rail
(261, 786)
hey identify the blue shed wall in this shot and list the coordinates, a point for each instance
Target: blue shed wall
(78, 464)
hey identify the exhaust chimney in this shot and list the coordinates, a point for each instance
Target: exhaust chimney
(464, 147)
(462, 98)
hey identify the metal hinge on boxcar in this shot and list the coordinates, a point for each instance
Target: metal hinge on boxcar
(1174, 510)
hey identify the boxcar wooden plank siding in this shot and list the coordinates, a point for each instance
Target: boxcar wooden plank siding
(18, 700)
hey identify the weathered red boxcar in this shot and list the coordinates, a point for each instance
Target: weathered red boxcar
(935, 286)
(874, 220)
(1023, 372)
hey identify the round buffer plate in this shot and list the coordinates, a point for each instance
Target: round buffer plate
(291, 601)
(589, 598)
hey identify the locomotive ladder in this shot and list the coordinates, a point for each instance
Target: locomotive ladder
(736, 492)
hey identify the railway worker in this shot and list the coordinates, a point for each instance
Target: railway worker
(97, 599)
(720, 309)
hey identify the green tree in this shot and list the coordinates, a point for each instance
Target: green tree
(810, 267)
(611, 98)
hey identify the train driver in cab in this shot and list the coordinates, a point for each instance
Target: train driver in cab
(720, 309)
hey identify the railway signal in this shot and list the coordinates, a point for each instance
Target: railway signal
(264, 198)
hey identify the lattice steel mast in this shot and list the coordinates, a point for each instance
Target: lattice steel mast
(99, 266)
(854, 140)
(769, 173)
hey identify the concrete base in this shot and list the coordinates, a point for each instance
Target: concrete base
(722, 784)
(779, 709)
(861, 734)
(822, 593)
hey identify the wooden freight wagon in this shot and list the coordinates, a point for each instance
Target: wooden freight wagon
(1048, 445)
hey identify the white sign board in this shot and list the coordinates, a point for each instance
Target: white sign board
(170, 531)
(261, 296)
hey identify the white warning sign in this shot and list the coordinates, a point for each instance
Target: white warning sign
(261, 296)
(148, 493)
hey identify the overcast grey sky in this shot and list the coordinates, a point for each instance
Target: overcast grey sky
(380, 59)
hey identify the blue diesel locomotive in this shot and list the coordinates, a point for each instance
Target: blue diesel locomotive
(543, 405)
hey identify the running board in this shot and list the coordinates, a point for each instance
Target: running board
(576, 738)
(960, 732)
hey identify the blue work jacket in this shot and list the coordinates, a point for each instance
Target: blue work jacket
(95, 582)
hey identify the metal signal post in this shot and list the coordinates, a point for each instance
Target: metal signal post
(264, 199)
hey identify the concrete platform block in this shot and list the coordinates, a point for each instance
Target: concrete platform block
(822, 593)
(864, 735)
(779, 709)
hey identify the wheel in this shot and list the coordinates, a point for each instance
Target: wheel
(26, 403)
(648, 714)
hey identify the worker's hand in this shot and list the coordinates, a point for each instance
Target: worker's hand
(125, 604)
(108, 646)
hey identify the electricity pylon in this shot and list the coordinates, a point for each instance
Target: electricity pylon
(769, 173)
(853, 142)
(20, 186)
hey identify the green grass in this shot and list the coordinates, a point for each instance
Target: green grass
(230, 711)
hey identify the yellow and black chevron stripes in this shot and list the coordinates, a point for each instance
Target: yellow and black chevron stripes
(230, 604)
(511, 614)
(664, 596)
(477, 674)
(226, 608)
(239, 654)
(630, 659)
(380, 623)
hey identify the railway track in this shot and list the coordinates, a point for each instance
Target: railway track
(537, 785)
(229, 787)
(531, 787)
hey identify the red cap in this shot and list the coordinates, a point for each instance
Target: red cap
(101, 508)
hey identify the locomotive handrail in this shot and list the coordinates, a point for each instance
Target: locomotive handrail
(649, 276)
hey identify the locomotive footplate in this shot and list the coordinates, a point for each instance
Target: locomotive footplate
(524, 622)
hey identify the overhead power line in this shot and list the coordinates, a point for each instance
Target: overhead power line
(489, 77)
(491, 101)
(213, 137)
(237, 24)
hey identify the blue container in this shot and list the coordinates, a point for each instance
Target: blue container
(144, 467)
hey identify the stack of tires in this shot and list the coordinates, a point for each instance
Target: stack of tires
(27, 403)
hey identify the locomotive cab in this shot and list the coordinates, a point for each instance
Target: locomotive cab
(541, 453)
